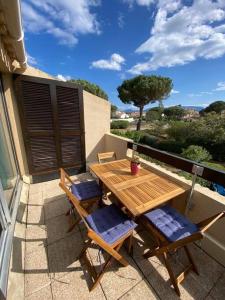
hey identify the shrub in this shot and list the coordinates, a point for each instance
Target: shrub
(170, 146)
(121, 124)
(196, 153)
(149, 140)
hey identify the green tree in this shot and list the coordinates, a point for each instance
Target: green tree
(154, 114)
(90, 87)
(114, 109)
(142, 90)
(217, 106)
(196, 153)
(174, 112)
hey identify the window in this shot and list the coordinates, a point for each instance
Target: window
(9, 192)
(8, 170)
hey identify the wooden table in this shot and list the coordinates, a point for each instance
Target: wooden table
(138, 193)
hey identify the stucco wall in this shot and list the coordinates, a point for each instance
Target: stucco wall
(96, 123)
(205, 203)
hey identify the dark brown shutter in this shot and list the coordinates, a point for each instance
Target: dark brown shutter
(52, 121)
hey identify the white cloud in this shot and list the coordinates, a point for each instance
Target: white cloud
(64, 19)
(206, 93)
(194, 95)
(63, 78)
(121, 20)
(174, 91)
(182, 34)
(139, 2)
(113, 63)
(220, 86)
(31, 60)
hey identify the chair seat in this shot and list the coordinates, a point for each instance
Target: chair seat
(173, 225)
(86, 190)
(110, 223)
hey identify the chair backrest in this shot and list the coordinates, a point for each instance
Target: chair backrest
(106, 156)
(66, 183)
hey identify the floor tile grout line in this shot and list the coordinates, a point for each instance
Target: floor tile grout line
(142, 279)
(145, 277)
(221, 275)
(219, 263)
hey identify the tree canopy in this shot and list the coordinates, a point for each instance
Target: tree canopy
(114, 108)
(91, 88)
(174, 112)
(154, 113)
(142, 90)
(217, 106)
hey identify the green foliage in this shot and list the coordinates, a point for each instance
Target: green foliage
(142, 90)
(208, 132)
(170, 146)
(154, 114)
(114, 109)
(196, 153)
(134, 135)
(199, 180)
(174, 112)
(217, 107)
(121, 124)
(90, 87)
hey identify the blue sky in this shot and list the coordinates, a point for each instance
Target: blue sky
(107, 41)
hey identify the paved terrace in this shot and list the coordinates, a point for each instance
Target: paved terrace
(52, 270)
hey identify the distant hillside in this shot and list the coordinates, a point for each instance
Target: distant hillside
(197, 108)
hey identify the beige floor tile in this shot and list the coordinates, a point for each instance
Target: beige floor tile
(43, 294)
(118, 279)
(56, 208)
(35, 237)
(209, 269)
(62, 255)
(36, 188)
(218, 291)
(141, 291)
(35, 215)
(57, 228)
(75, 285)
(141, 243)
(189, 288)
(36, 198)
(36, 271)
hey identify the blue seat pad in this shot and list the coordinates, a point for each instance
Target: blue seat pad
(173, 225)
(110, 223)
(86, 190)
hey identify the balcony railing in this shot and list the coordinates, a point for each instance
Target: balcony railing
(207, 173)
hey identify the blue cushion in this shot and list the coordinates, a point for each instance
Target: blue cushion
(86, 190)
(171, 223)
(110, 223)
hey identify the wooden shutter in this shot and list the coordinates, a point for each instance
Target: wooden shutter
(52, 122)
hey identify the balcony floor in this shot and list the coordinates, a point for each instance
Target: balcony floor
(53, 272)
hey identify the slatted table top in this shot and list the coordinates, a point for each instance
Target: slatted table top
(138, 193)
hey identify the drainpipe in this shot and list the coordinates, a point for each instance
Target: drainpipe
(14, 40)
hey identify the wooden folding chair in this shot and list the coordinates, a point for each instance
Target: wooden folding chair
(106, 156)
(172, 231)
(107, 227)
(87, 193)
